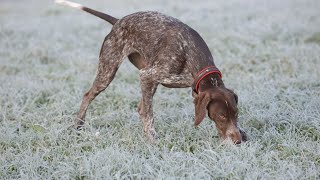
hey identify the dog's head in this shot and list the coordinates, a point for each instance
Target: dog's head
(221, 104)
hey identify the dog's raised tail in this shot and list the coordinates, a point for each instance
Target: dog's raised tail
(108, 18)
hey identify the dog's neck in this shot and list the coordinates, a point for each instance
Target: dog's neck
(206, 78)
(209, 82)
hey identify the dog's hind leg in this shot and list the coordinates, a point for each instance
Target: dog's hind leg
(111, 56)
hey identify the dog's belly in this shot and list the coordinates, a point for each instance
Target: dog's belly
(177, 85)
(177, 81)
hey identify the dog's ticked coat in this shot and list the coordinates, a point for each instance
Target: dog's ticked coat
(167, 52)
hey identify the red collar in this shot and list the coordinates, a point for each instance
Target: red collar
(202, 74)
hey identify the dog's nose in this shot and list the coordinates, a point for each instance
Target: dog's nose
(243, 135)
(235, 136)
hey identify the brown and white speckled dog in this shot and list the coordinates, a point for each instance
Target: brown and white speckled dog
(167, 52)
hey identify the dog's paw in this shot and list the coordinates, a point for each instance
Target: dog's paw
(78, 124)
(77, 127)
(73, 129)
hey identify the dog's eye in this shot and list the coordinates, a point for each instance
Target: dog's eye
(221, 115)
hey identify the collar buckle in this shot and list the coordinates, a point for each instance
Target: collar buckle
(202, 74)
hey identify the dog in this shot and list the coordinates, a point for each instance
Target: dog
(167, 52)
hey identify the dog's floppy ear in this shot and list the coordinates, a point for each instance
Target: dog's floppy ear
(235, 95)
(201, 102)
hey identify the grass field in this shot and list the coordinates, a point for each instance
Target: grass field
(268, 52)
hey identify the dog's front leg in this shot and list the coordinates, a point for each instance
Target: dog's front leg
(148, 88)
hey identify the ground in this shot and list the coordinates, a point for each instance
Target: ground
(268, 52)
